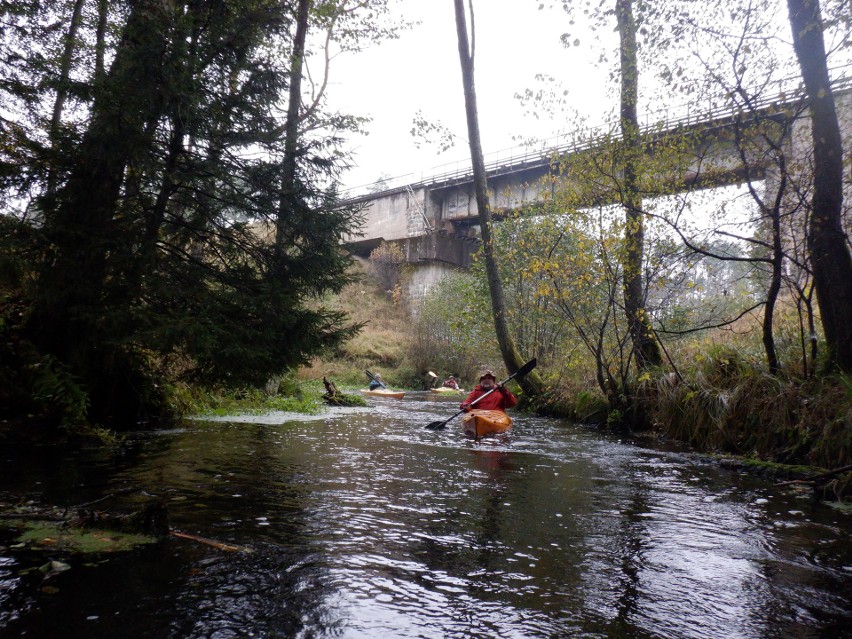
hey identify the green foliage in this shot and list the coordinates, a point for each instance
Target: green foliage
(55, 388)
(32, 383)
(589, 406)
(564, 300)
(157, 237)
(388, 262)
(454, 331)
(291, 395)
(308, 406)
(53, 537)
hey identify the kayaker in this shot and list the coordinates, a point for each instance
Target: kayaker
(376, 382)
(500, 399)
(451, 382)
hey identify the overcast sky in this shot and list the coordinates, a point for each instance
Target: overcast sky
(420, 72)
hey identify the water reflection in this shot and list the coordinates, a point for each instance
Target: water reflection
(364, 524)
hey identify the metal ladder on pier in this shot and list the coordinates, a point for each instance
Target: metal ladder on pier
(426, 223)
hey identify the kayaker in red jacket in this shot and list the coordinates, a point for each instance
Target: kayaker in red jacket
(500, 399)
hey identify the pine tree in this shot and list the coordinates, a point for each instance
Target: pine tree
(155, 246)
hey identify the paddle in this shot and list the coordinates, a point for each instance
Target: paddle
(523, 370)
(373, 377)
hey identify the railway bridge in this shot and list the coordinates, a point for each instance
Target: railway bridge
(434, 220)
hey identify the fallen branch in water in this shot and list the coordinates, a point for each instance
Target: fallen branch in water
(334, 397)
(152, 519)
(816, 478)
(209, 542)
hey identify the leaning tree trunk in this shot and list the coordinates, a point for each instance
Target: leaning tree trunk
(775, 279)
(512, 358)
(645, 347)
(827, 243)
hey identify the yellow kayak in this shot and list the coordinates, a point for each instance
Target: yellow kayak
(444, 390)
(384, 392)
(477, 423)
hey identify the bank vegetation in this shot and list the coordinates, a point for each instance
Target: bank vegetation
(171, 228)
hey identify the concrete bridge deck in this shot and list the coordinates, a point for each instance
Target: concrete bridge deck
(435, 220)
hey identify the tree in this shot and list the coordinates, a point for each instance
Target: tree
(387, 263)
(452, 330)
(154, 257)
(63, 81)
(827, 242)
(511, 356)
(645, 348)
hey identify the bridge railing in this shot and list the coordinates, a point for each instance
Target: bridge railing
(788, 91)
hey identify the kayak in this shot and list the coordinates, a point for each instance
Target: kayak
(446, 390)
(384, 392)
(477, 423)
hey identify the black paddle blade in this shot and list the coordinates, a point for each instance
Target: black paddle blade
(437, 426)
(526, 368)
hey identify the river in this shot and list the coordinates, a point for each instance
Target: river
(361, 523)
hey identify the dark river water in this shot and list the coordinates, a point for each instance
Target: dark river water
(362, 523)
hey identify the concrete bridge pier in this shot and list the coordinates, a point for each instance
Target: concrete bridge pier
(433, 247)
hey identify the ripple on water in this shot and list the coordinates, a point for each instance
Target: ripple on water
(365, 524)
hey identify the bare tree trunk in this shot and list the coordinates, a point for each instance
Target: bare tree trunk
(645, 346)
(62, 86)
(100, 39)
(827, 242)
(512, 358)
(290, 201)
(775, 281)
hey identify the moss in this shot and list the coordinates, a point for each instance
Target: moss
(53, 536)
(766, 467)
(345, 399)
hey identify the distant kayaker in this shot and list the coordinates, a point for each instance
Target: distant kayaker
(500, 399)
(376, 382)
(451, 382)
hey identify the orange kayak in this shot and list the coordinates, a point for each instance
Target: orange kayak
(477, 423)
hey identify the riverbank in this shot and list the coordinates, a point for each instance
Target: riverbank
(721, 402)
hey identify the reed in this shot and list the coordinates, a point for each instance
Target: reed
(727, 403)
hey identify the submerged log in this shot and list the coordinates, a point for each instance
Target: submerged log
(218, 545)
(151, 520)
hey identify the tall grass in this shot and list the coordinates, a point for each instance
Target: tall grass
(728, 403)
(382, 346)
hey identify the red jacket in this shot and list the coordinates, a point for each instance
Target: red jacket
(500, 399)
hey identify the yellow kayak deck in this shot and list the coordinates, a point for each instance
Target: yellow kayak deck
(444, 390)
(383, 392)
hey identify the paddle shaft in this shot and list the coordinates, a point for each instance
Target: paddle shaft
(523, 370)
(442, 424)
